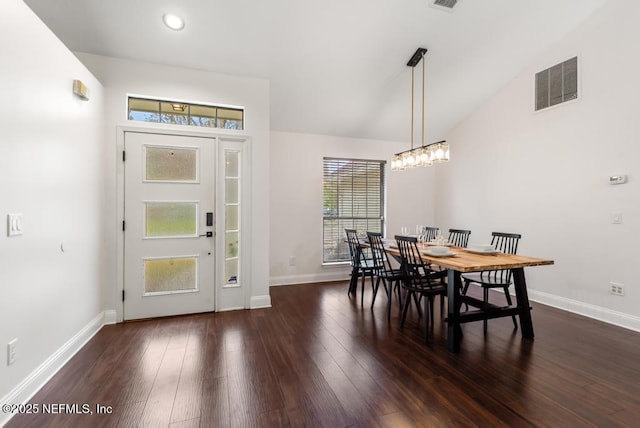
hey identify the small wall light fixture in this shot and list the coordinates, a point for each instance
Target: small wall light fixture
(81, 90)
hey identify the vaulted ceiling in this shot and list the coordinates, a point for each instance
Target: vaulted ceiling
(336, 67)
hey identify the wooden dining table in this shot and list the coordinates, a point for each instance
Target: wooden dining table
(463, 261)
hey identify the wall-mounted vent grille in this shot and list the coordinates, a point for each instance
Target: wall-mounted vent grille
(557, 84)
(445, 4)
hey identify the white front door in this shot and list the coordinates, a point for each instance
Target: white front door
(169, 211)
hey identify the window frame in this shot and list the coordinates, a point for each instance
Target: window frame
(349, 218)
(163, 115)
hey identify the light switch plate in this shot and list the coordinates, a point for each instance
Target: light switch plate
(14, 224)
(616, 218)
(11, 351)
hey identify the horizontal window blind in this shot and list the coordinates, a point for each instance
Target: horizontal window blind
(353, 198)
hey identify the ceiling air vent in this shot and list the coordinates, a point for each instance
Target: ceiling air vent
(447, 5)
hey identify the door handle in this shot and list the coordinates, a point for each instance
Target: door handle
(209, 234)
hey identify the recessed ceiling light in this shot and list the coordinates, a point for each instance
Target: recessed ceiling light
(173, 21)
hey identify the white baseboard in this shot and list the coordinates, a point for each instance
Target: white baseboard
(236, 308)
(588, 310)
(338, 275)
(26, 389)
(110, 317)
(258, 302)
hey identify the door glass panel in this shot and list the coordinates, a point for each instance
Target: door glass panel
(231, 189)
(231, 217)
(231, 271)
(231, 164)
(231, 249)
(171, 219)
(170, 275)
(171, 164)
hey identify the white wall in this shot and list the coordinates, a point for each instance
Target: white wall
(546, 174)
(122, 77)
(296, 200)
(52, 172)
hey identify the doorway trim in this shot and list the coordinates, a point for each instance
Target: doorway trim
(242, 294)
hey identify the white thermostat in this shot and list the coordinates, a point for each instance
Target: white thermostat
(617, 179)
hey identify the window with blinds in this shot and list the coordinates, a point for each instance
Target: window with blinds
(353, 198)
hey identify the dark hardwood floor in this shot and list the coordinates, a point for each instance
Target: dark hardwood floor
(318, 359)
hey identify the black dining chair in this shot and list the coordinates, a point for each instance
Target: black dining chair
(362, 264)
(506, 243)
(386, 272)
(420, 282)
(429, 233)
(459, 237)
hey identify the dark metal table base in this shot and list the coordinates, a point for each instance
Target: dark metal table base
(455, 300)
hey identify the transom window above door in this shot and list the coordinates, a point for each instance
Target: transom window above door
(180, 113)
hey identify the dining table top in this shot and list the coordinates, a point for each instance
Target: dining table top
(465, 260)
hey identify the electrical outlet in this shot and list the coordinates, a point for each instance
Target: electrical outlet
(616, 289)
(292, 261)
(11, 351)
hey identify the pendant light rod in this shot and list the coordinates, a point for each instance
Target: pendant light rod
(413, 61)
(423, 100)
(412, 95)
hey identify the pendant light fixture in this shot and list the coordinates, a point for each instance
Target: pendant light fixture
(422, 155)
